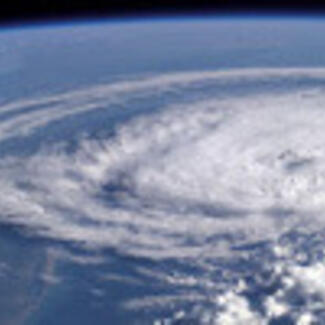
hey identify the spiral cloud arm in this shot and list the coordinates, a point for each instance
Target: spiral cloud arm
(195, 179)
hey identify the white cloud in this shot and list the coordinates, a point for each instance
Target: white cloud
(311, 277)
(236, 311)
(30, 114)
(174, 179)
(188, 182)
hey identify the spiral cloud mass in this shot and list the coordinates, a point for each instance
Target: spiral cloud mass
(192, 173)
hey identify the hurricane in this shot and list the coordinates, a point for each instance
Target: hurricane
(215, 178)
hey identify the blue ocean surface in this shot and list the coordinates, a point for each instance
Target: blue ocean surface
(163, 172)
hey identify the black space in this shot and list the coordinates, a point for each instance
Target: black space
(19, 11)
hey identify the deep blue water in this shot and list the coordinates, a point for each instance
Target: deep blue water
(53, 275)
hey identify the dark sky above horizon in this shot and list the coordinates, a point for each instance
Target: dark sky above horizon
(13, 11)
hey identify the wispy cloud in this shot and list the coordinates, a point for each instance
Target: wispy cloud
(171, 184)
(191, 182)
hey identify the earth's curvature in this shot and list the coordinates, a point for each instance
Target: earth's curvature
(168, 172)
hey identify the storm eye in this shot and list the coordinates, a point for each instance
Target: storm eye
(119, 184)
(293, 161)
(119, 192)
(298, 164)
